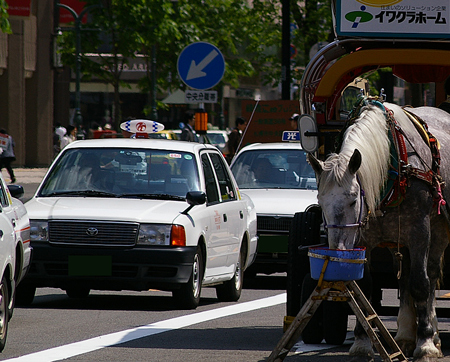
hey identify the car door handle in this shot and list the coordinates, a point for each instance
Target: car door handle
(241, 214)
(225, 218)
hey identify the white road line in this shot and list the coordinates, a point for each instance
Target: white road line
(107, 340)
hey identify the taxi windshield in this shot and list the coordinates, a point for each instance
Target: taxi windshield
(271, 168)
(123, 172)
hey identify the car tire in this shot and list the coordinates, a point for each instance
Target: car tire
(313, 332)
(188, 296)
(78, 292)
(4, 313)
(230, 291)
(25, 294)
(304, 230)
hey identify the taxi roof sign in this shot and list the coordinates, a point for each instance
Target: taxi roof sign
(291, 136)
(141, 126)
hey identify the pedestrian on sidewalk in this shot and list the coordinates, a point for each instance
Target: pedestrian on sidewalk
(7, 156)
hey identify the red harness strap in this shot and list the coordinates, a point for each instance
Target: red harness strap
(404, 171)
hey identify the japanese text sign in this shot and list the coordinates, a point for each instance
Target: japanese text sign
(393, 18)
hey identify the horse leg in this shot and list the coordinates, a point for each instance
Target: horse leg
(439, 241)
(422, 290)
(407, 319)
(362, 349)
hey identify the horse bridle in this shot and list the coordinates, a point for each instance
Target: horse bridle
(360, 222)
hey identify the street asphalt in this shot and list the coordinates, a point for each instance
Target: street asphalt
(29, 178)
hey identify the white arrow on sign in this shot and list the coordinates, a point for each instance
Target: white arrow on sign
(196, 71)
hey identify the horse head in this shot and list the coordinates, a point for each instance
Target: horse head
(341, 198)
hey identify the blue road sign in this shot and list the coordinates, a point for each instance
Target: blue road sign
(201, 65)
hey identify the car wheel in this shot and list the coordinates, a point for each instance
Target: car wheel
(78, 292)
(230, 291)
(4, 313)
(304, 230)
(313, 332)
(188, 296)
(25, 294)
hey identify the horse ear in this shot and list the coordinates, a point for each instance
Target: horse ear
(355, 162)
(315, 164)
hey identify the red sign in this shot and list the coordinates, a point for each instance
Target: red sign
(65, 16)
(19, 7)
(270, 119)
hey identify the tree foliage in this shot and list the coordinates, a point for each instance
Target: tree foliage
(249, 36)
(5, 27)
(314, 24)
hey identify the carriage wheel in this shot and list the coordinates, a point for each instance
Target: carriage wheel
(304, 230)
(335, 322)
(313, 332)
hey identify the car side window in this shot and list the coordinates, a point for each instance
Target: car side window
(3, 196)
(212, 193)
(225, 184)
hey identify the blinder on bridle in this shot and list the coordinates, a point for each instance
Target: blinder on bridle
(360, 222)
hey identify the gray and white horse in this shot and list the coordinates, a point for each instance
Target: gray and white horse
(351, 186)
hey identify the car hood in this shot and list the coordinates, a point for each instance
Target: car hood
(91, 208)
(281, 201)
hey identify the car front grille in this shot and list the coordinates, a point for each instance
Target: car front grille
(274, 224)
(93, 233)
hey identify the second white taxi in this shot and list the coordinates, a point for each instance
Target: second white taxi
(135, 214)
(281, 183)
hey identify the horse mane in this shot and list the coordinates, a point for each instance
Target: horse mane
(368, 134)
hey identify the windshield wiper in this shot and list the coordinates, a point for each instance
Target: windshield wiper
(154, 196)
(92, 193)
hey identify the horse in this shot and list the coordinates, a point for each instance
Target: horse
(386, 183)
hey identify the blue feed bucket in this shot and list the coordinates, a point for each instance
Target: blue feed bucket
(342, 264)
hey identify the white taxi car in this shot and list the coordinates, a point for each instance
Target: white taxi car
(281, 183)
(134, 214)
(15, 251)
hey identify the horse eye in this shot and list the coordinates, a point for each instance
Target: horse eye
(353, 203)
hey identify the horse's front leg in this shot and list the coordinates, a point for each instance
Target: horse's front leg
(362, 349)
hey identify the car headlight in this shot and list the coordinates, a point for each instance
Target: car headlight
(38, 230)
(154, 234)
(161, 234)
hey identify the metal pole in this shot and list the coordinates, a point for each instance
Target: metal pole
(286, 51)
(78, 18)
(154, 112)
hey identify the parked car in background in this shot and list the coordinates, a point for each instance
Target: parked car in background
(129, 214)
(277, 177)
(165, 134)
(15, 251)
(218, 138)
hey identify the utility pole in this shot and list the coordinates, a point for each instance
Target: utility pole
(286, 50)
(77, 29)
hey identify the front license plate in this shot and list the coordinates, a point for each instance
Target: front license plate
(90, 265)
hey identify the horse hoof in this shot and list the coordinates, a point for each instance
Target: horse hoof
(426, 359)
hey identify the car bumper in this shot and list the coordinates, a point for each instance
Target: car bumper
(138, 269)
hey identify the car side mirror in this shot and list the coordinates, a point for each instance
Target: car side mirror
(16, 191)
(194, 198)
